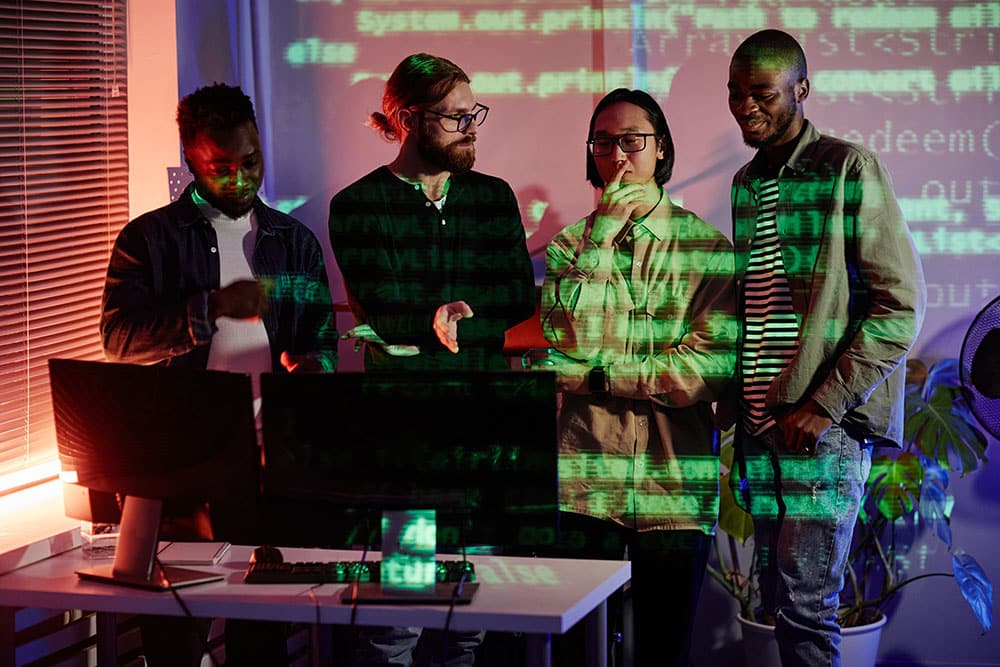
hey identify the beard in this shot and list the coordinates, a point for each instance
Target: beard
(235, 204)
(456, 157)
(782, 121)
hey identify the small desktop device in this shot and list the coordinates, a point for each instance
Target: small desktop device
(409, 540)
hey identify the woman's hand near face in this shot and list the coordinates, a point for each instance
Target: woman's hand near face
(618, 202)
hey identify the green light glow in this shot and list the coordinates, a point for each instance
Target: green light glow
(315, 51)
(499, 572)
(884, 17)
(583, 80)
(289, 205)
(691, 482)
(979, 79)
(537, 209)
(409, 541)
(289, 287)
(937, 209)
(991, 209)
(982, 15)
(949, 241)
(748, 18)
(799, 18)
(382, 23)
(874, 82)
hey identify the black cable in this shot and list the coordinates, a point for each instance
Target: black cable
(357, 575)
(314, 635)
(187, 612)
(557, 301)
(315, 600)
(456, 594)
(772, 562)
(356, 585)
(457, 591)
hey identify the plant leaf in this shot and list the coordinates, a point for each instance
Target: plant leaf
(916, 373)
(976, 588)
(732, 517)
(941, 429)
(934, 500)
(943, 373)
(895, 484)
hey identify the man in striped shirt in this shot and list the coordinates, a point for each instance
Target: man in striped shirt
(831, 297)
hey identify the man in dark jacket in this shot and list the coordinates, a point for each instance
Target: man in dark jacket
(217, 280)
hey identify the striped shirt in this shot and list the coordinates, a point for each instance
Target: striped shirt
(771, 332)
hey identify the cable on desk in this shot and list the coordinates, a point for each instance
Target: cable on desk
(455, 595)
(314, 635)
(205, 648)
(356, 585)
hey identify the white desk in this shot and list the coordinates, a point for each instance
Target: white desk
(535, 596)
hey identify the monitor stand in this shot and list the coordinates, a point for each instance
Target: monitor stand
(135, 554)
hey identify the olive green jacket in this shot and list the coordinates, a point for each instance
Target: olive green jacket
(857, 285)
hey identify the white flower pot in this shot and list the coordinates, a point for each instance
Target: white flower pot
(858, 645)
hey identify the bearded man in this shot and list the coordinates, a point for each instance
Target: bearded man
(433, 254)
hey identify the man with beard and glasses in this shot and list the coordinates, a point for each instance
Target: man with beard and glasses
(436, 268)
(433, 254)
(217, 280)
(831, 297)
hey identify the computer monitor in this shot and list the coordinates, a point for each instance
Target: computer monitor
(477, 447)
(149, 434)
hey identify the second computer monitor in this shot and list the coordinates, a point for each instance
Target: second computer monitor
(478, 447)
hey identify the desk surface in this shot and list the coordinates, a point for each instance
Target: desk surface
(532, 595)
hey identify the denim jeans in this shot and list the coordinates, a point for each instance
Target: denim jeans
(394, 646)
(804, 510)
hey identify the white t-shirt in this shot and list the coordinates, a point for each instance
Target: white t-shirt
(239, 345)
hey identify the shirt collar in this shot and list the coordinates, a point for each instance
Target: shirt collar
(267, 222)
(657, 221)
(807, 137)
(214, 215)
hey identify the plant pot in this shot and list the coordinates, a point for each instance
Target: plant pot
(858, 645)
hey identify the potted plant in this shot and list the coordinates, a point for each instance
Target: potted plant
(907, 490)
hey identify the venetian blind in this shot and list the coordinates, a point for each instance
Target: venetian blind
(63, 199)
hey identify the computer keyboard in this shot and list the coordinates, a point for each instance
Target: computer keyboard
(343, 572)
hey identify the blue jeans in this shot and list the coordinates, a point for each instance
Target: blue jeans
(804, 510)
(394, 646)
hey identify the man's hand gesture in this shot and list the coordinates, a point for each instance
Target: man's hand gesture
(446, 323)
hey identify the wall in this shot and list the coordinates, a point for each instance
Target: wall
(314, 130)
(152, 102)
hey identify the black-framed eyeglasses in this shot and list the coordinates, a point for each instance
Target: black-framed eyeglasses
(632, 142)
(461, 122)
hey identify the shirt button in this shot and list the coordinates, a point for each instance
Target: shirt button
(442, 222)
(427, 203)
(642, 422)
(213, 249)
(416, 187)
(639, 263)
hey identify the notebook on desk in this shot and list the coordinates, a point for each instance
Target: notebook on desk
(192, 553)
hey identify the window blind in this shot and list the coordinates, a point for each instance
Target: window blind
(63, 199)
